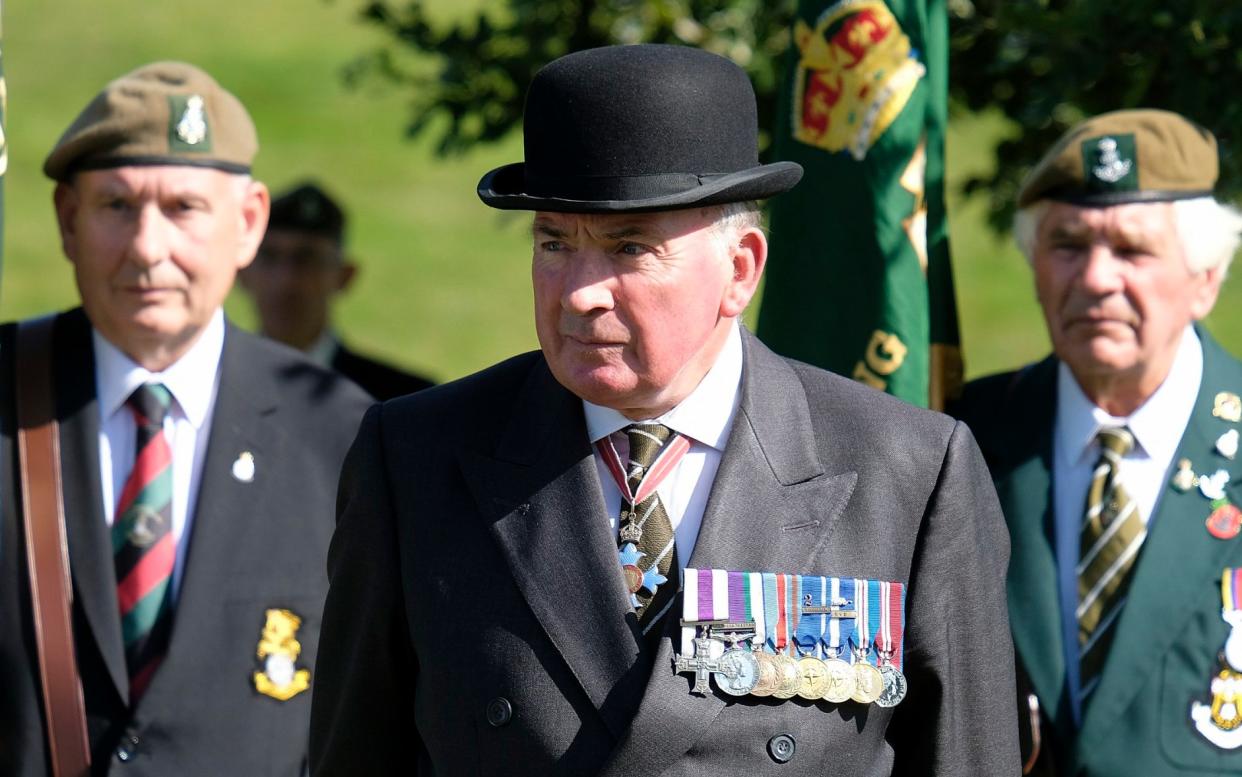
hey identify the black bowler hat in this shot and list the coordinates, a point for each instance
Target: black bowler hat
(638, 128)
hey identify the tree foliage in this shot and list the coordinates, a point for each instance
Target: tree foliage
(1044, 64)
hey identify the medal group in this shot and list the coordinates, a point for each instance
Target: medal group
(784, 636)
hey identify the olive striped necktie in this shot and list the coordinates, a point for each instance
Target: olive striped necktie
(142, 542)
(1113, 531)
(648, 527)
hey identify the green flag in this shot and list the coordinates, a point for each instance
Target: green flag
(858, 280)
(4, 135)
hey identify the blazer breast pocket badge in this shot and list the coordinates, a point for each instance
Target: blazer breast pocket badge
(1220, 721)
(834, 639)
(278, 650)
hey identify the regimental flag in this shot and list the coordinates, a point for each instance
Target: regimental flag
(4, 136)
(859, 280)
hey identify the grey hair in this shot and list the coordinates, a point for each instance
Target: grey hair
(1210, 231)
(732, 218)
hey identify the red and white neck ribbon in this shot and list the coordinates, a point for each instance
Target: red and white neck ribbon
(667, 460)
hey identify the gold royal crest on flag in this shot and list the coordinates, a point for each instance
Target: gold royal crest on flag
(855, 74)
(278, 650)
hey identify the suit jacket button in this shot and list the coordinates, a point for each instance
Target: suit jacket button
(128, 747)
(499, 712)
(781, 748)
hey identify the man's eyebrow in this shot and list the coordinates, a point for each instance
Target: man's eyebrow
(544, 228)
(626, 232)
(1069, 229)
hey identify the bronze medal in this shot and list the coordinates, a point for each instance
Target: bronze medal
(790, 678)
(767, 675)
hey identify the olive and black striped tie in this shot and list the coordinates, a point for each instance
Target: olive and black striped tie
(1112, 536)
(650, 517)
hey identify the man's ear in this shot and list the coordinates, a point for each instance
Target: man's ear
(345, 274)
(1206, 292)
(748, 255)
(65, 200)
(256, 203)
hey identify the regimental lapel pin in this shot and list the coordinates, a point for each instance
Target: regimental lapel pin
(243, 468)
(1227, 444)
(1227, 406)
(1221, 721)
(1184, 479)
(278, 651)
(1225, 521)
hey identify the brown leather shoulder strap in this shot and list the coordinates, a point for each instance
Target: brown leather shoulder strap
(47, 552)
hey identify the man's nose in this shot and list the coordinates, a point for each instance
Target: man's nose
(589, 284)
(1102, 270)
(151, 239)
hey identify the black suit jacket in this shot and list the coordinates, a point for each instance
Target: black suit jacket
(255, 545)
(377, 379)
(477, 621)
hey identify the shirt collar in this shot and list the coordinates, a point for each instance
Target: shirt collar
(323, 350)
(1157, 425)
(705, 416)
(191, 379)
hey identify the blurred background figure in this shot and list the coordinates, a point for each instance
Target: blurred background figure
(300, 267)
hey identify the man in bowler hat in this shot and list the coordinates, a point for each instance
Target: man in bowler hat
(508, 597)
(300, 268)
(1116, 458)
(198, 462)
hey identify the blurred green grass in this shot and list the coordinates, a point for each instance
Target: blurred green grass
(444, 286)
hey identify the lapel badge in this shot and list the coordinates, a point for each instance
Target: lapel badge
(1227, 406)
(278, 649)
(1227, 444)
(1184, 478)
(243, 468)
(1225, 522)
(1213, 486)
(1221, 721)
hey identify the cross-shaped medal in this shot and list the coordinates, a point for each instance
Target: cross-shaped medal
(700, 664)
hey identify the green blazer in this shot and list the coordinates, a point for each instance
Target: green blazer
(1165, 652)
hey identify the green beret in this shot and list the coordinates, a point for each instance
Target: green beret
(1126, 156)
(307, 208)
(165, 113)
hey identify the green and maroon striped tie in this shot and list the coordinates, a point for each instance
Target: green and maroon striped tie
(142, 541)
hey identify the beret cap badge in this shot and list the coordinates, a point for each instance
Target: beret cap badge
(191, 128)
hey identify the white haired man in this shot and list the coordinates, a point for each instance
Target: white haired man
(1115, 458)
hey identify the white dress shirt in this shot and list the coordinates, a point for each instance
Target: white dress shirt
(193, 380)
(705, 417)
(1158, 426)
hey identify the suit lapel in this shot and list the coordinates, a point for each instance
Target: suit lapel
(540, 494)
(90, 557)
(1178, 558)
(772, 508)
(240, 421)
(1023, 481)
